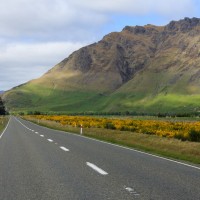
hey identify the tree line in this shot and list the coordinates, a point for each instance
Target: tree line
(125, 113)
(2, 107)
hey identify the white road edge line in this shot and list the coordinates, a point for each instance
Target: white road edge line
(5, 129)
(22, 124)
(97, 169)
(50, 140)
(64, 149)
(149, 154)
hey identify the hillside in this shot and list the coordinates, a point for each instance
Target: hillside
(147, 69)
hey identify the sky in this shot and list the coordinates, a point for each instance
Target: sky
(35, 35)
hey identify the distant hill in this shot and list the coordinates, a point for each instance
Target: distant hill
(1, 91)
(147, 69)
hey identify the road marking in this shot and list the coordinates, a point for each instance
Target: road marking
(41, 135)
(64, 149)
(50, 140)
(127, 148)
(56, 143)
(32, 130)
(5, 129)
(131, 191)
(97, 169)
(36, 132)
(22, 124)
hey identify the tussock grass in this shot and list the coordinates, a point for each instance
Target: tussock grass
(168, 147)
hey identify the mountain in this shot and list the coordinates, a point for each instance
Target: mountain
(1, 91)
(147, 69)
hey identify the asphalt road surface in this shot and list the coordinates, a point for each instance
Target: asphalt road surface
(40, 163)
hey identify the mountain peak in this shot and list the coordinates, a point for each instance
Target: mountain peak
(183, 25)
(142, 30)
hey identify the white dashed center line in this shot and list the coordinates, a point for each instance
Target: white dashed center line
(41, 135)
(36, 132)
(131, 190)
(50, 140)
(97, 169)
(64, 149)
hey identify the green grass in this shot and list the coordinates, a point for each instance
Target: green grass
(3, 123)
(170, 148)
(45, 99)
(32, 97)
(171, 103)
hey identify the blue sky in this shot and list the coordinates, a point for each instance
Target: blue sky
(36, 35)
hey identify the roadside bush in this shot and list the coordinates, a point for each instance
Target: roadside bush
(180, 136)
(2, 108)
(125, 128)
(194, 135)
(109, 125)
(37, 113)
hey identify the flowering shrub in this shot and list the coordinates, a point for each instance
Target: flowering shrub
(180, 130)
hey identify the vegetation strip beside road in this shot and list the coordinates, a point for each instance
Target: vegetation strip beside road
(3, 123)
(183, 130)
(168, 147)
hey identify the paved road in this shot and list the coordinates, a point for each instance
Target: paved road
(40, 163)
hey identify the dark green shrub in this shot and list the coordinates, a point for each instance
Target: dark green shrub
(194, 135)
(180, 136)
(109, 125)
(124, 128)
(2, 107)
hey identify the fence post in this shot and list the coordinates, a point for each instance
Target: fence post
(81, 131)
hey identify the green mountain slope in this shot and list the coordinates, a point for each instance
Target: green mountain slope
(147, 69)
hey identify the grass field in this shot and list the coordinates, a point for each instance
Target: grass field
(3, 123)
(168, 147)
(39, 98)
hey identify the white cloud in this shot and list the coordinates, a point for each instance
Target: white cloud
(42, 52)
(46, 19)
(167, 7)
(22, 62)
(68, 18)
